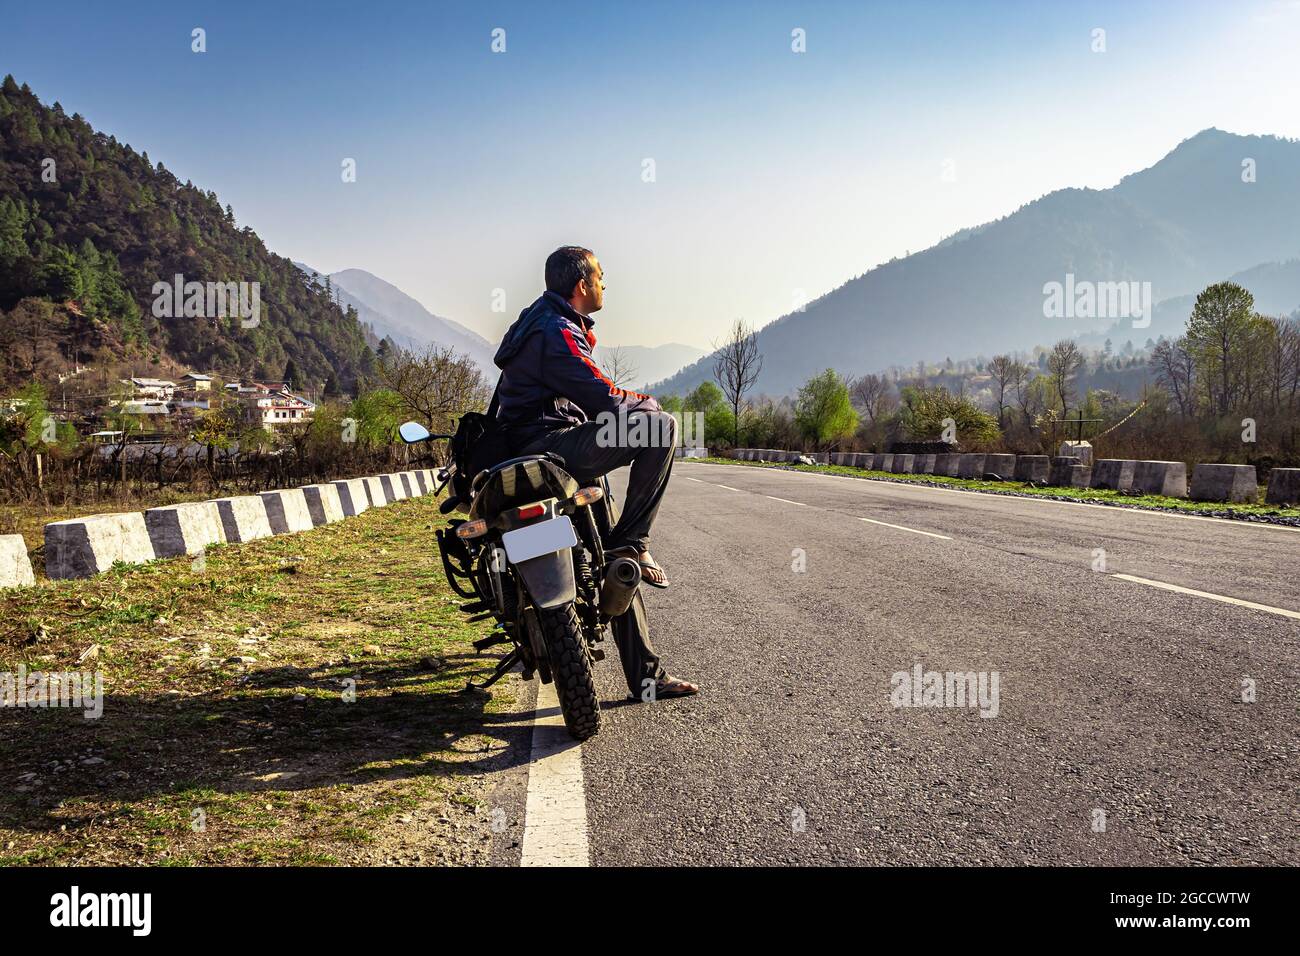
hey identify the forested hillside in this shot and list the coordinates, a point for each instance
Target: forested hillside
(88, 225)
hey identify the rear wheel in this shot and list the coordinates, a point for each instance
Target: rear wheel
(571, 670)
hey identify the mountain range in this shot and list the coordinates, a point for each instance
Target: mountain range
(1218, 205)
(93, 240)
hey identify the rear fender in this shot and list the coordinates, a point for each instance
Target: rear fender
(549, 579)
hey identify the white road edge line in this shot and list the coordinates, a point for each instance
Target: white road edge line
(928, 534)
(786, 500)
(917, 486)
(555, 815)
(1206, 594)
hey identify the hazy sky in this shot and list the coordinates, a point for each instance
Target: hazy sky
(775, 172)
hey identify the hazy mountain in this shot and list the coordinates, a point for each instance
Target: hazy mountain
(391, 313)
(1184, 223)
(652, 363)
(394, 314)
(1275, 286)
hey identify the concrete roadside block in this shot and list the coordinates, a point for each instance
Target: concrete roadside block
(352, 496)
(1283, 486)
(1167, 478)
(393, 487)
(15, 565)
(902, 464)
(1224, 483)
(1081, 450)
(1114, 474)
(81, 547)
(184, 529)
(1079, 476)
(923, 465)
(417, 482)
(1061, 475)
(971, 466)
(375, 491)
(243, 518)
(408, 484)
(947, 464)
(323, 504)
(1035, 468)
(884, 463)
(287, 511)
(1004, 466)
(865, 460)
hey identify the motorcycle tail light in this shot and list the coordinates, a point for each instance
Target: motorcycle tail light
(588, 496)
(472, 529)
(531, 511)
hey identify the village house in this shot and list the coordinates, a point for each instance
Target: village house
(152, 388)
(271, 404)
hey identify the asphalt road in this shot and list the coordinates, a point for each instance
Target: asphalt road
(1118, 701)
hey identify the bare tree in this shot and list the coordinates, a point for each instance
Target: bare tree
(437, 384)
(1001, 369)
(1019, 381)
(617, 366)
(871, 394)
(1175, 371)
(736, 366)
(1064, 362)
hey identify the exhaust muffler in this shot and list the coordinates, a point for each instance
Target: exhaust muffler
(622, 578)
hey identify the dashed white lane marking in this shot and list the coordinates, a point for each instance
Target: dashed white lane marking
(1206, 594)
(700, 480)
(928, 534)
(729, 488)
(555, 815)
(786, 500)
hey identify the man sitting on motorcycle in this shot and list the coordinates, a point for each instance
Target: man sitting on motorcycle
(553, 397)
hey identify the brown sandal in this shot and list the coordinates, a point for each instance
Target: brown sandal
(668, 686)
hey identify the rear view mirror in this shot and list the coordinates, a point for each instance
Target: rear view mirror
(413, 432)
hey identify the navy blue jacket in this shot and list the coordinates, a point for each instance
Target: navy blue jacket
(549, 379)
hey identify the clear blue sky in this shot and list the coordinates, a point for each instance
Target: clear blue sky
(776, 173)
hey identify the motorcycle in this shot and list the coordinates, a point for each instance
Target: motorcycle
(530, 557)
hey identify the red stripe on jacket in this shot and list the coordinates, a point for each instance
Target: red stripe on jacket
(614, 390)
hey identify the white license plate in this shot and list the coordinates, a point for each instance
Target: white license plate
(535, 540)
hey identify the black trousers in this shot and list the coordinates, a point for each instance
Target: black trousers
(588, 454)
(645, 440)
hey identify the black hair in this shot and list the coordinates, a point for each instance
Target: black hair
(566, 267)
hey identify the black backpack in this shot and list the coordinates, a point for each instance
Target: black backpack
(479, 442)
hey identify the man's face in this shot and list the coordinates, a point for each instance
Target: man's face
(591, 290)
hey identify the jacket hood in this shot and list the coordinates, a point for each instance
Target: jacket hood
(532, 320)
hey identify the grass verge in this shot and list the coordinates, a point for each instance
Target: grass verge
(295, 700)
